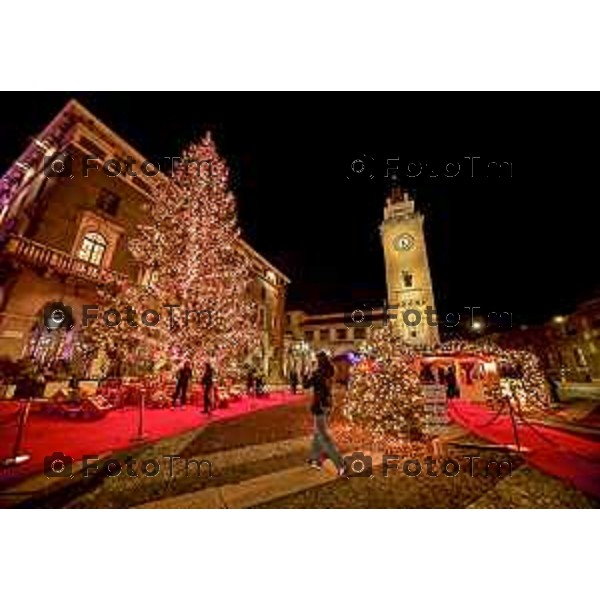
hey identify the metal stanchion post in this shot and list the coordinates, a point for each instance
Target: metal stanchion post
(514, 425)
(141, 436)
(18, 456)
(506, 403)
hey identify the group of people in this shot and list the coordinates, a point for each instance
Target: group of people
(321, 381)
(184, 376)
(255, 385)
(445, 377)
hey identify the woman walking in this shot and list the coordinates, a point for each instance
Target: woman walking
(322, 444)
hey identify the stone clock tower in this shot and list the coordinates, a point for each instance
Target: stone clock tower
(407, 269)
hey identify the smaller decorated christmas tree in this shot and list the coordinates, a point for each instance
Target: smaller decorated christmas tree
(384, 399)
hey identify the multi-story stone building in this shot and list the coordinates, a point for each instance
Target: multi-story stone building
(61, 235)
(568, 345)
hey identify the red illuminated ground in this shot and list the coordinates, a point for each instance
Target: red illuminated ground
(45, 435)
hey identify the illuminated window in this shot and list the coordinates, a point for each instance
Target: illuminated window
(92, 248)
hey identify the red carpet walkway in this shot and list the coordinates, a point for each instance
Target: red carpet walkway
(45, 435)
(558, 453)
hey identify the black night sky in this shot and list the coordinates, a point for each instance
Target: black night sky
(526, 244)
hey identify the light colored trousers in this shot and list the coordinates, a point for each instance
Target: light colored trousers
(323, 444)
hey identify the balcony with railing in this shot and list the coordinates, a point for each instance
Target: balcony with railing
(35, 254)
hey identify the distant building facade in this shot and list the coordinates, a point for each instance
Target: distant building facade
(568, 345)
(330, 331)
(60, 235)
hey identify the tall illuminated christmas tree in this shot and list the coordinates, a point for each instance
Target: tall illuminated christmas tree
(384, 399)
(193, 270)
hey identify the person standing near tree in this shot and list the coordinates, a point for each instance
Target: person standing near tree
(207, 385)
(441, 376)
(259, 384)
(553, 388)
(183, 378)
(322, 444)
(294, 380)
(250, 382)
(452, 389)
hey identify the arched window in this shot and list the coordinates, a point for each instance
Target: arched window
(92, 248)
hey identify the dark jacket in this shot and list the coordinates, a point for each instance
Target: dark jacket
(184, 375)
(207, 378)
(320, 381)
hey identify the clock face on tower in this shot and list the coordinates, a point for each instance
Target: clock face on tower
(405, 241)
